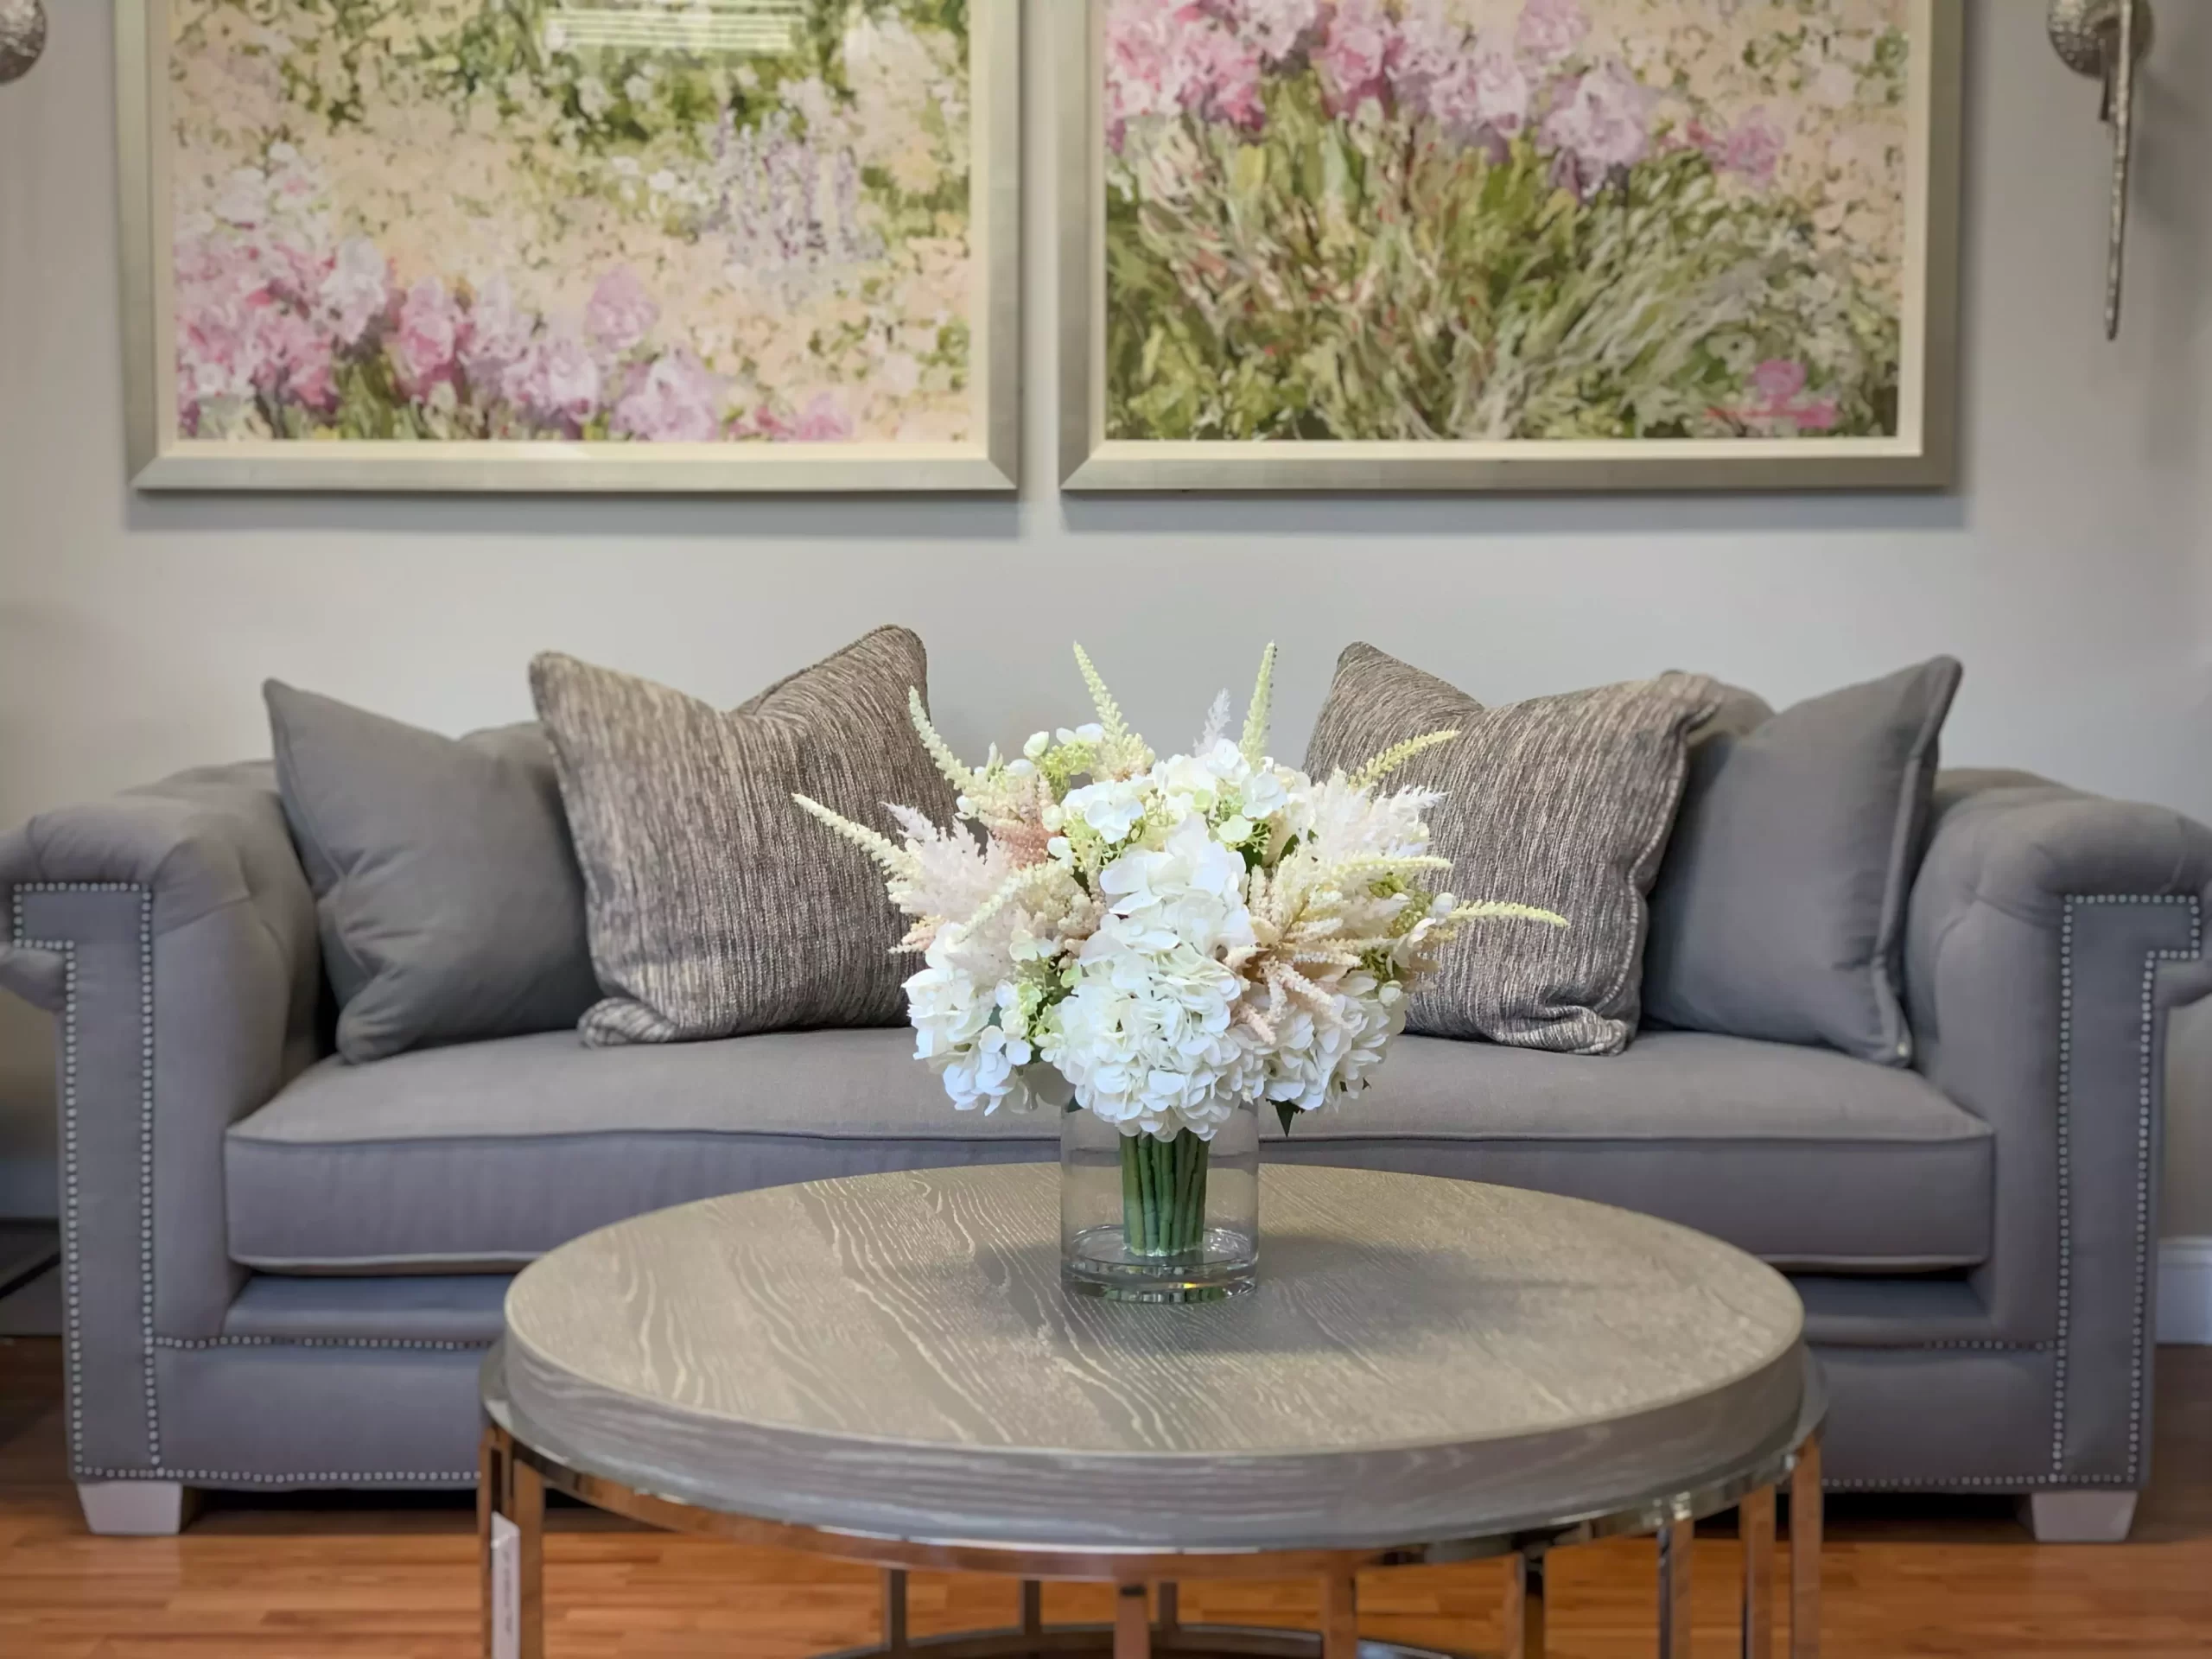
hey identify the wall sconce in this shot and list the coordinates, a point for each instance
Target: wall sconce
(2105, 40)
(23, 37)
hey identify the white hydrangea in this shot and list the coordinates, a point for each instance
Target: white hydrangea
(1162, 940)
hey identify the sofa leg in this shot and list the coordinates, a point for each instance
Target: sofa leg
(134, 1508)
(2083, 1517)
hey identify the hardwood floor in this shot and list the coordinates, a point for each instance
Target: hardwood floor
(256, 1578)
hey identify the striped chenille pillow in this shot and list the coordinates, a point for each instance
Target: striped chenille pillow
(1564, 802)
(715, 908)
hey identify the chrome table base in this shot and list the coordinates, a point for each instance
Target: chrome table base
(514, 1480)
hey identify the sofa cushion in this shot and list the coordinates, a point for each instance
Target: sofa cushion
(1564, 802)
(1780, 910)
(478, 1158)
(450, 905)
(716, 908)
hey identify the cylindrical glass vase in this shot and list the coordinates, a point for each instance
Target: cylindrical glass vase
(1148, 1220)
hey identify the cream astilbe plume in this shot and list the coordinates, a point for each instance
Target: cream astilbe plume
(1217, 726)
(953, 873)
(897, 863)
(1121, 752)
(956, 772)
(1258, 717)
(1395, 756)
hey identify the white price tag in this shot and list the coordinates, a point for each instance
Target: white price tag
(506, 1589)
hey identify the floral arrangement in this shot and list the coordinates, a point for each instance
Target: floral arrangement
(1162, 940)
(1478, 219)
(444, 220)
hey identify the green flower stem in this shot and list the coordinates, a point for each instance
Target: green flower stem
(1164, 1192)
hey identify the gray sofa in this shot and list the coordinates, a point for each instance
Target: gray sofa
(280, 1270)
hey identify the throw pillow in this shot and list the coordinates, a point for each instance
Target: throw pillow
(1780, 910)
(717, 909)
(1563, 802)
(450, 905)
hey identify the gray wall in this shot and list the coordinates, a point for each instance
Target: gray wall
(2072, 572)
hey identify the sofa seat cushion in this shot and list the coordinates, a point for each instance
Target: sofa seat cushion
(1805, 1157)
(480, 1157)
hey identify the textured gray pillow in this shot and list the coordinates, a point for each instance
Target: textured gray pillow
(1780, 910)
(1563, 802)
(451, 907)
(717, 908)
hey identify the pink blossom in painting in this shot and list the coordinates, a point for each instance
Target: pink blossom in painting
(1549, 30)
(1752, 149)
(426, 338)
(1599, 123)
(676, 400)
(824, 421)
(1778, 398)
(1274, 29)
(557, 381)
(1361, 46)
(355, 291)
(1170, 56)
(621, 313)
(495, 334)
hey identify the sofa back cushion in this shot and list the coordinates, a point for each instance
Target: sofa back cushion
(1780, 910)
(1563, 802)
(449, 904)
(716, 909)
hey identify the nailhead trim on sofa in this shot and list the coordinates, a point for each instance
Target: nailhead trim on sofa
(71, 1288)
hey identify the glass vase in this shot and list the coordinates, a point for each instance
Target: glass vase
(1148, 1220)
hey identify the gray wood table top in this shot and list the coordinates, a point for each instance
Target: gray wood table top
(893, 1354)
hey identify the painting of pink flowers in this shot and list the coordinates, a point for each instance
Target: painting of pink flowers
(570, 224)
(1517, 227)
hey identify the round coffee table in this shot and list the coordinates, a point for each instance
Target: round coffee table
(885, 1370)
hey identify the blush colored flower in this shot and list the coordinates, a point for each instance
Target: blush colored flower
(1550, 29)
(621, 313)
(304, 364)
(1358, 53)
(1480, 94)
(356, 292)
(558, 380)
(426, 338)
(1274, 29)
(824, 421)
(1599, 125)
(677, 400)
(1752, 149)
(1173, 57)
(495, 334)
(1778, 379)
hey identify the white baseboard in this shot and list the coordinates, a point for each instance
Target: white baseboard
(2185, 1290)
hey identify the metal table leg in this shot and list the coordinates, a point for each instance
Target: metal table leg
(1524, 1609)
(1805, 1553)
(1755, 1522)
(1674, 1539)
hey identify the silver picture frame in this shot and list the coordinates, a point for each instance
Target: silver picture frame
(1921, 456)
(161, 459)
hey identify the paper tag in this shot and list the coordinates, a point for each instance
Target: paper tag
(506, 1589)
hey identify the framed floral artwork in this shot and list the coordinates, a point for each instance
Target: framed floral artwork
(1497, 245)
(702, 246)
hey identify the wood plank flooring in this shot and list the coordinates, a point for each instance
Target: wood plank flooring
(260, 1577)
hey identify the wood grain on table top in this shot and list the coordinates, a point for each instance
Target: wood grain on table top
(1423, 1359)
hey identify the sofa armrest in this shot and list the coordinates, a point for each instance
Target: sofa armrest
(2049, 934)
(172, 932)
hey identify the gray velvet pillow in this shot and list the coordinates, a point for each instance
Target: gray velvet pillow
(450, 905)
(1563, 802)
(717, 908)
(1780, 910)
